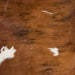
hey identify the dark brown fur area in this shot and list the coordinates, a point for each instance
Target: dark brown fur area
(24, 26)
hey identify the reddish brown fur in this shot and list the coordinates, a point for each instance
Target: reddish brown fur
(31, 32)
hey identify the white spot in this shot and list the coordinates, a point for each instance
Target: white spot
(54, 51)
(48, 12)
(6, 53)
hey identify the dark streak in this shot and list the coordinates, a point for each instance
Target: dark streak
(24, 13)
(2, 13)
(65, 18)
(45, 64)
(22, 33)
(30, 40)
(48, 69)
(8, 15)
(70, 43)
(39, 32)
(58, 34)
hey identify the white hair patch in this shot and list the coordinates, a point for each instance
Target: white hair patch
(55, 51)
(6, 53)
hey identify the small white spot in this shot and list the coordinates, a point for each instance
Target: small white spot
(6, 53)
(48, 12)
(54, 51)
